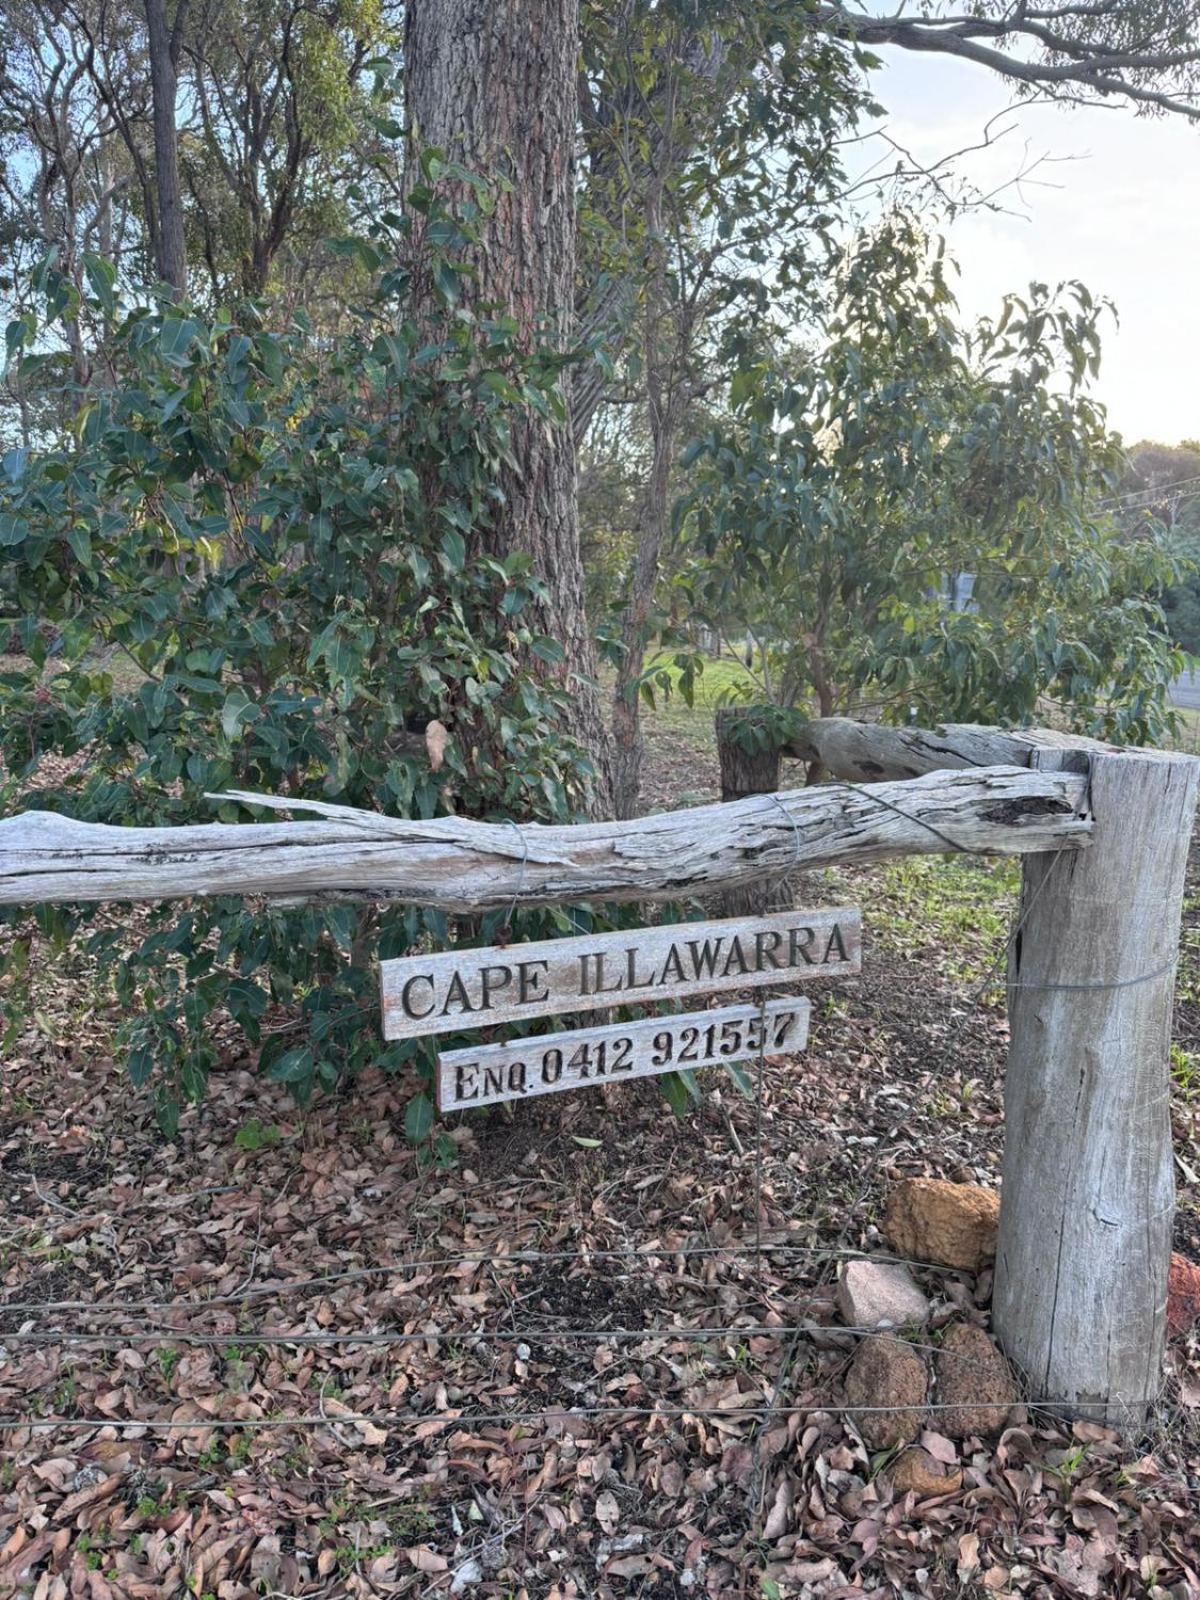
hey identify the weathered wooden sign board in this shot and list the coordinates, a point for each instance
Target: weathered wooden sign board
(618, 1052)
(455, 990)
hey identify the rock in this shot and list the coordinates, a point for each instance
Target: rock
(953, 1224)
(875, 1294)
(974, 1383)
(917, 1472)
(1183, 1294)
(887, 1372)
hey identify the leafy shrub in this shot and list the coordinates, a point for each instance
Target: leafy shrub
(911, 517)
(253, 565)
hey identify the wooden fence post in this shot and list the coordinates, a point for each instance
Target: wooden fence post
(750, 767)
(1088, 1194)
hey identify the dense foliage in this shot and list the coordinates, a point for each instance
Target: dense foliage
(254, 565)
(1162, 485)
(908, 517)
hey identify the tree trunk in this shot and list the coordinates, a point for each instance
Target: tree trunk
(750, 766)
(628, 745)
(163, 45)
(665, 335)
(491, 84)
(1088, 1194)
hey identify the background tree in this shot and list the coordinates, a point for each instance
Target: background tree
(711, 167)
(164, 38)
(844, 501)
(1162, 485)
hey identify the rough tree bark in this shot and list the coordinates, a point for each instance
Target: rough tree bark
(163, 41)
(668, 329)
(666, 399)
(491, 83)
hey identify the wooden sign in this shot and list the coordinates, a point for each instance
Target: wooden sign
(455, 990)
(619, 1052)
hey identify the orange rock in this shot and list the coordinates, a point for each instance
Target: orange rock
(887, 1379)
(917, 1472)
(952, 1224)
(1183, 1294)
(974, 1384)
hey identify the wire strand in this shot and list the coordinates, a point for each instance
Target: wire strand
(496, 1418)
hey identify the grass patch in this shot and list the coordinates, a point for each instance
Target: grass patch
(723, 679)
(951, 913)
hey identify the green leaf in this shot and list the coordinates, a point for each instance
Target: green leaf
(238, 710)
(101, 276)
(418, 1118)
(548, 650)
(80, 541)
(446, 280)
(140, 1066)
(175, 337)
(295, 1066)
(675, 1092)
(454, 548)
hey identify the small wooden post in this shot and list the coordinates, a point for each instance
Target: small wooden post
(747, 770)
(1088, 1196)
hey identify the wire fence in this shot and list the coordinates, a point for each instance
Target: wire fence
(756, 1250)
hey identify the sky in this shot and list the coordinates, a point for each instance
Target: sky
(1116, 205)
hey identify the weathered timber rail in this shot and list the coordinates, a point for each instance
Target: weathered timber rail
(463, 865)
(866, 752)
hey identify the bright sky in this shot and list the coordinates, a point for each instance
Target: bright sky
(1123, 216)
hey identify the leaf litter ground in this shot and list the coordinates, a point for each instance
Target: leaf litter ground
(650, 1408)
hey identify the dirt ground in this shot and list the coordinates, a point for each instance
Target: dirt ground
(597, 1358)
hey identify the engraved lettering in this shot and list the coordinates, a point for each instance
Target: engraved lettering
(493, 1080)
(672, 971)
(639, 1048)
(705, 956)
(735, 953)
(528, 979)
(489, 979)
(602, 987)
(406, 1001)
(464, 1090)
(457, 991)
(632, 981)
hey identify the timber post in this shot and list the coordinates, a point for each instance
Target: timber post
(750, 757)
(1087, 1199)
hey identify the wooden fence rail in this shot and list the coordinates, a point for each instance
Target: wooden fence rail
(463, 865)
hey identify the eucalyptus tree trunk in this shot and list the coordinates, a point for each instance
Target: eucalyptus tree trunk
(163, 42)
(491, 83)
(666, 332)
(628, 746)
